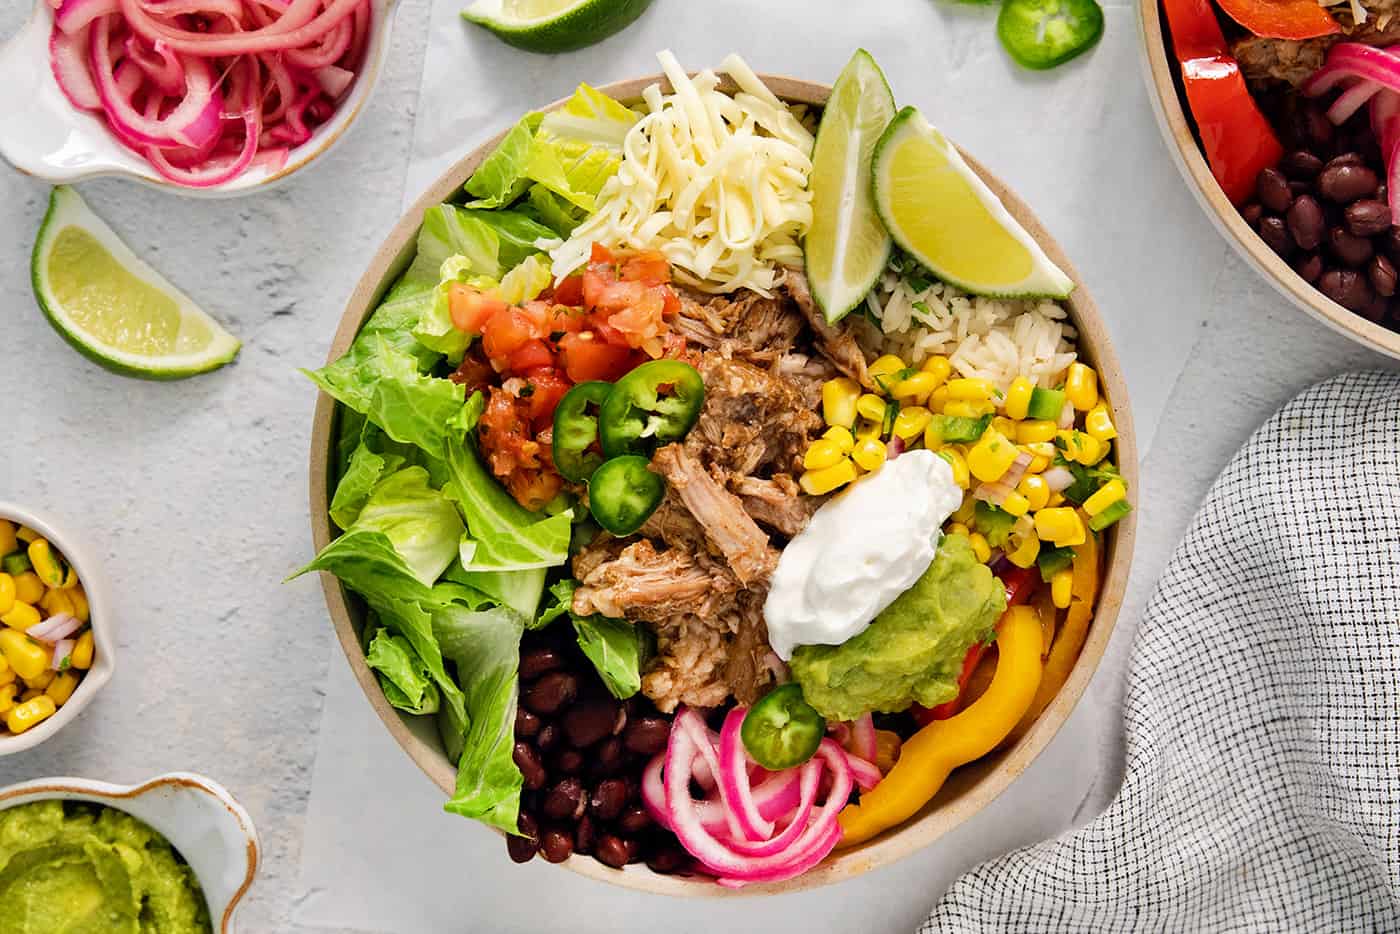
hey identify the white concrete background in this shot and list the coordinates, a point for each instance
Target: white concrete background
(195, 492)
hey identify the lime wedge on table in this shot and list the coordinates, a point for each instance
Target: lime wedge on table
(554, 25)
(846, 246)
(113, 308)
(942, 214)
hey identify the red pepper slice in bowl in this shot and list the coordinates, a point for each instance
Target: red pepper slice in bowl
(1282, 19)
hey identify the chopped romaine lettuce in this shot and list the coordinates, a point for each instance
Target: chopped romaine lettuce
(591, 117)
(498, 180)
(485, 647)
(616, 647)
(405, 680)
(375, 456)
(525, 281)
(421, 523)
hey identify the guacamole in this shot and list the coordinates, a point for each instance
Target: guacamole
(913, 651)
(75, 868)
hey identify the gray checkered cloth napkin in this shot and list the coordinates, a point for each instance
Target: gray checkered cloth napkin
(1262, 786)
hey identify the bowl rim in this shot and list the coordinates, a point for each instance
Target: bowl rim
(67, 788)
(1176, 128)
(100, 619)
(976, 784)
(322, 141)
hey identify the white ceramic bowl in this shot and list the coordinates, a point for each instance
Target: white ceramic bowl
(43, 135)
(209, 829)
(95, 586)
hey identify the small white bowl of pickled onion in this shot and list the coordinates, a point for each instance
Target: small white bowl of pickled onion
(100, 619)
(173, 94)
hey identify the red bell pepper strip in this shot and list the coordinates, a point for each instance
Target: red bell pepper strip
(1282, 19)
(1238, 141)
(1019, 584)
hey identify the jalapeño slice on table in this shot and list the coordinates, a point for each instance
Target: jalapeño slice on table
(655, 404)
(782, 730)
(1041, 34)
(623, 493)
(577, 452)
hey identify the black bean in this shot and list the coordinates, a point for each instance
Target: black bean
(1367, 217)
(1345, 158)
(537, 661)
(1345, 183)
(1390, 242)
(609, 758)
(556, 845)
(548, 737)
(1382, 193)
(552, 692)
(1352, 250)
(1309, 266)
(647, 736)
(608, 799)
(1252, 213)
(1377, 311)
(1381, 272)
(634, 819)
(1318, 128)
(569, 761)
(1301, 165)
(565, 799)
(1273, 190)
(523, 848)
(668, 859)
(1306, 222)
(526, 723)
(1346, 287)
(612, 850)
(1274, 232)
(584, 835)
(531, 769)
(587, 723)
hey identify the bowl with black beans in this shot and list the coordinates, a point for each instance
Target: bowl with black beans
(1318, 223)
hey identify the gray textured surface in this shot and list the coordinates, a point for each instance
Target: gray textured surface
(195, 492)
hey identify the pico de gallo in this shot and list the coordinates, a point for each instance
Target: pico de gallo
(594, 327)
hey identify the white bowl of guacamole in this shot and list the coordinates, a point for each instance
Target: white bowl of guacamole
(174, 855)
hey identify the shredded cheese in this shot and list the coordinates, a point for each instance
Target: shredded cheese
(717, 183)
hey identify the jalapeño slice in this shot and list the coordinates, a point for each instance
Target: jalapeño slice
(576, 449)
(654, 405)
(623, 493)
(782, 730)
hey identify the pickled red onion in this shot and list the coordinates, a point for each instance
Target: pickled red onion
(204, 90)
(808, 831)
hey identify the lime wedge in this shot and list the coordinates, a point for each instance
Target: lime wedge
(942, 214)
(113, 308)
(847, 247)
(554, 25)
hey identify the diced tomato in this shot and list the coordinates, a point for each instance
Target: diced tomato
(595, 282)
(609, 334)
(569, 292)
(547, 387)
(617, 296)
(671, 303)
(566, 319)
(506, 333)
(471, 309)
(601, 255)
(475, 372)
(585, 357)
(649, 267)
(531, 355)
(519, 459)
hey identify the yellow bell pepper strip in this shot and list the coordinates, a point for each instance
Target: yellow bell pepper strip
(932, 753)
(1064, 652)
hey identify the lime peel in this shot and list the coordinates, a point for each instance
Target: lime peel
(940, 212)
(847, 246)
(111, 306)
(554, 25)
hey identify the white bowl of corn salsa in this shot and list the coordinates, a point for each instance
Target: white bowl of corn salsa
(55, 651)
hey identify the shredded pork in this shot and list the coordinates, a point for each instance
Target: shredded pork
(697, 571)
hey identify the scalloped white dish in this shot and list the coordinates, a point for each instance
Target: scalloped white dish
(206, 826)
(43, 135)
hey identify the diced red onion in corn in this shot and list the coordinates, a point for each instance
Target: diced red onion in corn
(1066, 419)
(54, 629)
(1058, 479)
(205, 90)
(61, 653)
(994, 492)
(894, 448)
(1016, 471)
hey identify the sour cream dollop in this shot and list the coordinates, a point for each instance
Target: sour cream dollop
(862, 549)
